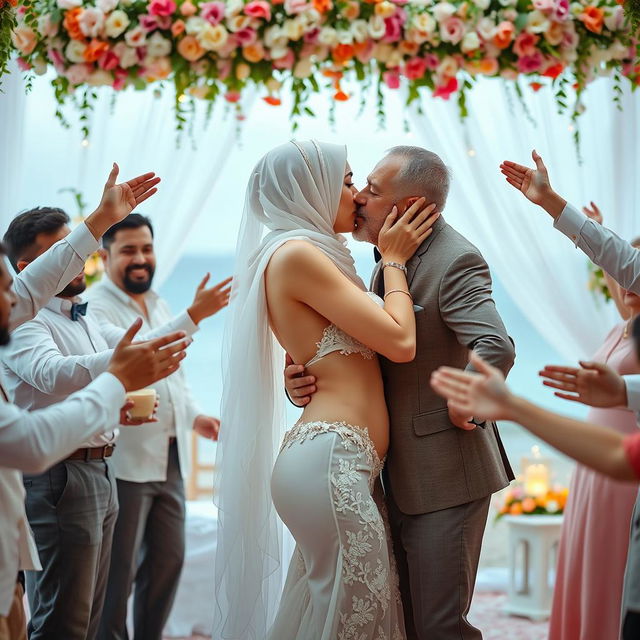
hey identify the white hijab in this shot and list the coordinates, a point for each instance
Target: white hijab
(293, 192)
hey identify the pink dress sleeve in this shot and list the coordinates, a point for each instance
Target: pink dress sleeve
(632, 449)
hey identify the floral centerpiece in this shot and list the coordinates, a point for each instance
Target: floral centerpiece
(214, 48)
(518, 502)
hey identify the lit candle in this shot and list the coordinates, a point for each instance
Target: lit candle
(536, 475)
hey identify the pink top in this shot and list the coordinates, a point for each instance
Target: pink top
(632, 449)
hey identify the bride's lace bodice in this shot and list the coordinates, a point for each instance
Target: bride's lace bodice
(335, 339)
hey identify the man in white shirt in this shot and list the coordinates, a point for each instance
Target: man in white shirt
(33, 441)
(52, 356)
(151, 461)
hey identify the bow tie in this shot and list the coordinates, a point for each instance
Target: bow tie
(78, 309)
(377, 256)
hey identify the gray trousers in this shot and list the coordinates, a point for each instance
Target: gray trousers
(437, 556)
(148, 549)
(72, 510)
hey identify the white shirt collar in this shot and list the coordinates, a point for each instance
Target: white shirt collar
(123, 296)
(62, 306)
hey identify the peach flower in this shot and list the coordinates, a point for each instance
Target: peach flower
(254, 52)
(593, 19)
(452, 30)
(177, 28)
(189, 48)
(95, 49)
(525, 43)
(24, 40)
(188, 9)
(504, 34)
(72, 25)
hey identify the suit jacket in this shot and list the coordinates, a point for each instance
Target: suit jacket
(432, 464)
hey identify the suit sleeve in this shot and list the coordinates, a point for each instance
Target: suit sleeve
(468, 309)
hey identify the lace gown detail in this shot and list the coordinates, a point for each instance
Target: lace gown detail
(342, 583)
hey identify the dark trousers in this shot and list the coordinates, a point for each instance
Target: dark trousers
(72, 509)
(437, 556)
(148, 549)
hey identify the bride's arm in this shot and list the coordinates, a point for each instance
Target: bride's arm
(312, 278)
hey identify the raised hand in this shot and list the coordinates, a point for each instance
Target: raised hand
(534, 183)
(207, 302)
(119, 200)
(139, 364)
(484, 393)
(207, 427)
(594, 384)
(594, 213)
(299, 387)
(400, 236)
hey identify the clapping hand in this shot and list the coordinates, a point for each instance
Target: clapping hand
(207, 427)
(119, 200)
(534, 183)
(209, 301)
(594, 213)
(593, 384)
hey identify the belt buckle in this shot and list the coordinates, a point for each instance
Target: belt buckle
(108, 448)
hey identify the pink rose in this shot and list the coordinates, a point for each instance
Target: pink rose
(311, 37)
(415, 68)
(452, 30)
(78, 73)
(212, 12)
(432, 61)
(561, 11)
(162, 7)
(544, 5)
(286, 62)
(120, 79)
(531, 63)
(224, 69)
(56, 57)
(23, 65)
(108, 61)
(393, 26)
(444, 91)
(258, 9)
(148, 23)
(246, 36)
(293, 7)
(391, 79)
(525, 43)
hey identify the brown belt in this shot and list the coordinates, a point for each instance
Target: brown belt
(93, 453)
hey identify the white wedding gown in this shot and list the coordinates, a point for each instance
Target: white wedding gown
(342, 583)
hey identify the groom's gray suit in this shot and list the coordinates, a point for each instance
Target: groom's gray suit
(439, 478)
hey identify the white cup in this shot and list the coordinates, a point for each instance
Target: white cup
(144, 402)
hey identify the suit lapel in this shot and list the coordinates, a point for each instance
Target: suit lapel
(375, 278)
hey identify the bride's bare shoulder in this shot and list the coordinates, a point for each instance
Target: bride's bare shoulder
(298, 254)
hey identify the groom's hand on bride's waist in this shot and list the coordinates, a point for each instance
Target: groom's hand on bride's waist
(299, 387)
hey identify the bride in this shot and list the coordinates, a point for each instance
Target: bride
(296, 289)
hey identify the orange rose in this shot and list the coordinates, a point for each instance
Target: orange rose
(95, 49)
(515, 509)
(504, 35)
(71, 23)
(322, 6)
(253, 52)
(342, 53)
(528, 505)
(409, 48)
(24, 40)
(189, 48)
(593, 19)
(488, 66)
(341, 96)
(177, 28)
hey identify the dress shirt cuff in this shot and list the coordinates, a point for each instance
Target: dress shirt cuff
(183, 322)
(111, 390)
(82, 241)
(632, 383)
(570, 222)
(100, 363)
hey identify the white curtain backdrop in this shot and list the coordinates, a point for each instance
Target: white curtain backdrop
(137, 132)
(538, 266)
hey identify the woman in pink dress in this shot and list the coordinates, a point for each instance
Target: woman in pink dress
(597, 519)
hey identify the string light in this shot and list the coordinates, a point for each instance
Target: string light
(182, 97)
(571, 128)
(472, 153)
(85, 143)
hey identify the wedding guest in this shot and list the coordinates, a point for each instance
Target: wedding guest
(71, 507)
(603, 449)
(151, 461)
(592, 558)
(603, 247)
(33, 441)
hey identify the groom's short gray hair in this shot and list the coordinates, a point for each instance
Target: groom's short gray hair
(423, 174)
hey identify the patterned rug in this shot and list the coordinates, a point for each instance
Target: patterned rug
(487, 614)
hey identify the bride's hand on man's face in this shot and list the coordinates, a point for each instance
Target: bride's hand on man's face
(401, 235)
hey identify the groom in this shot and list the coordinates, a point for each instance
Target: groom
(442, 467)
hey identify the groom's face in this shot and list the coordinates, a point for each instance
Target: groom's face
(375, 201)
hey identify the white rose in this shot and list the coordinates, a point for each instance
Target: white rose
(74, 51)
(447, 68)
(508, 3)
(116, 23)
(100, 78)
(238, 22)
(91, 22)
(377, 27)
(233, 8)
(273, 85)
(46, 26)
(552, 506)
(614, 18)
(303, 69)
(107, 6)
(359, 30)
(128, 56)
(194, 25)
(328, 36)
(443, 10)
(576, 8)
(424, 22)
(470, 42)
(69, 4)
(537, 22)
(293, 29)
(136, 37)
(395, 59)
(482, 4)
(213, 37)
(279, 51)
(39, 66)
(271, 35)
(158, 46)
(618, 50)
(486, 27)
